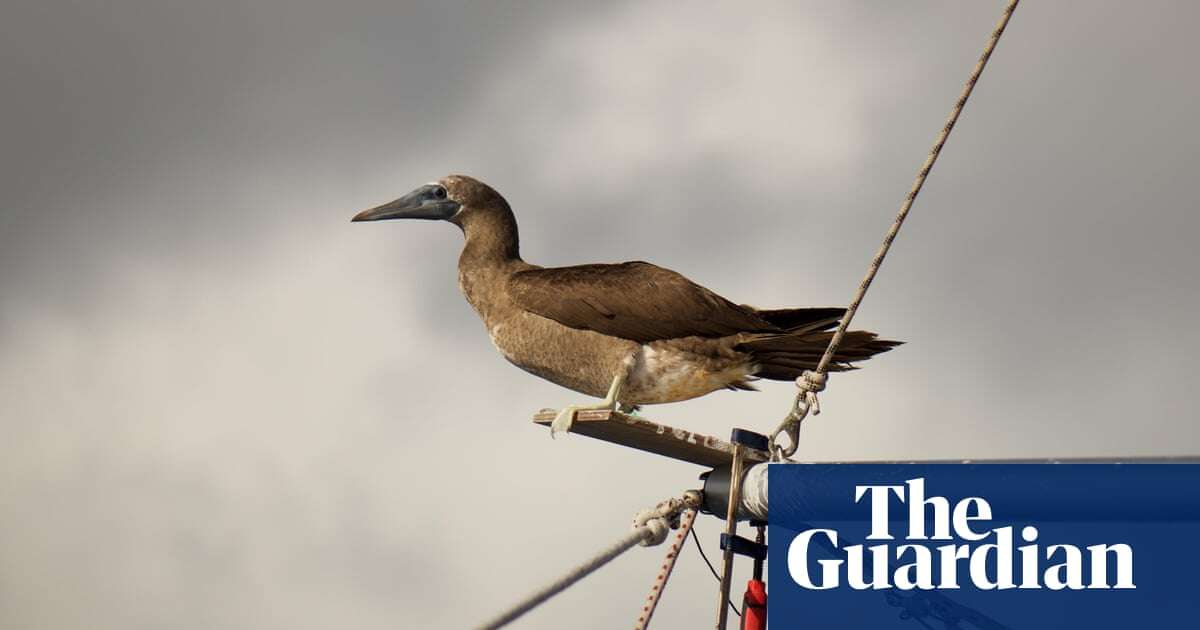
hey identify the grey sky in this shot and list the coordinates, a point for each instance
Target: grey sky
(222, 405)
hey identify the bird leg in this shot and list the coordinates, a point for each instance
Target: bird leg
(566, 416)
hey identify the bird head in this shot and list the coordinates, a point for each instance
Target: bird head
(455, 198)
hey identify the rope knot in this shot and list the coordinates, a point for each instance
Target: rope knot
(811, 381)
(654, 524)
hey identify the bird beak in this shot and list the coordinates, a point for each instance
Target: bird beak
(426, 202)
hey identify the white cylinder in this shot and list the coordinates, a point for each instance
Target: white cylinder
(754, 492)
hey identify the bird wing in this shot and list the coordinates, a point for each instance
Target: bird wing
(632, 300)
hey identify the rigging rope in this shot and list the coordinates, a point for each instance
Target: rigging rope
(650, 527)
(813, 381)
(660, 581)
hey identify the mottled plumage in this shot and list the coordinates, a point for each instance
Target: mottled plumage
(663, 337)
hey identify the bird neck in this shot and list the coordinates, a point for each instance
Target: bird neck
(486, 262)
(492, 239)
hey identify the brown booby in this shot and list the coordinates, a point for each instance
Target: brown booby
(632, 333)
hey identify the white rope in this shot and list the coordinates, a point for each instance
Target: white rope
(650, 527)
(812, 382)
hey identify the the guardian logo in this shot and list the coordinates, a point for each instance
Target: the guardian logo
(987, 558)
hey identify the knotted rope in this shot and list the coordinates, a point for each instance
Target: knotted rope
(664, 574)
(650, 527)
(812, 382)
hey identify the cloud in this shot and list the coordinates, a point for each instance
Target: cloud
(223, 405)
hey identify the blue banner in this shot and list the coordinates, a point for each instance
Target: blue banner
(988, 546)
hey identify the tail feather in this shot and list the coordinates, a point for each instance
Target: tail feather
(796, 320)
(785, 357)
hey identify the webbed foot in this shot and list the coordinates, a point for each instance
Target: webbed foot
(566, 416)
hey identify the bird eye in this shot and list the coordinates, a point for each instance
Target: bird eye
(439, 192)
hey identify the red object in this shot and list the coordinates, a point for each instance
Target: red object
(754, 606)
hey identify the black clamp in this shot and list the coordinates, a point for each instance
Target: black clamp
(750, 439)
(744, 546)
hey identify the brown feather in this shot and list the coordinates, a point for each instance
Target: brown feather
(785, 357)
(802, 319)
(634, 300)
